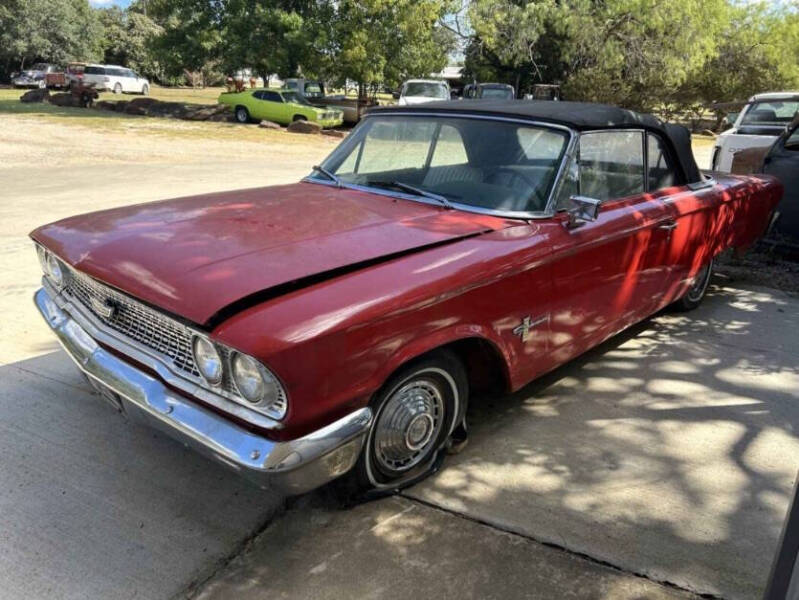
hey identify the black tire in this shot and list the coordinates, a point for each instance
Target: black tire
(145, 90)
(117, 88)
(407, 441)
(694, 296)
(242, 114)
(299, 118)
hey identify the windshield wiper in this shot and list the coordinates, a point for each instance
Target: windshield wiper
(414, 190)
(334, 178)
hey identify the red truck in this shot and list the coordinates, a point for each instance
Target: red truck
(339, 325)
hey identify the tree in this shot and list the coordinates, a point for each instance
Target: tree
(126, 40)
(389, 40)
(56, 31)
(757, 51)
(636, 52)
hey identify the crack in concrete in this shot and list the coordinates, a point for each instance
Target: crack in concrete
(195, 587)
(563, 548)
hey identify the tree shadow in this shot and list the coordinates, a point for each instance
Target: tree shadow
(670, 450)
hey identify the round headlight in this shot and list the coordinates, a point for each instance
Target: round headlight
(257, 385)
(54, 270)
(208, 360)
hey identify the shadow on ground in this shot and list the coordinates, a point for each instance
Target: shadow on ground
(669, 451)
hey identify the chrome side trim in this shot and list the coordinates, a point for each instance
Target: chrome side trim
(547, 213)
(292, 467)
(142, 355)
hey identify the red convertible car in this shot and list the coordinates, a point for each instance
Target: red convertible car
(339, 325)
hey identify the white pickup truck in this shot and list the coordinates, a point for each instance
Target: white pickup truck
(758, 125)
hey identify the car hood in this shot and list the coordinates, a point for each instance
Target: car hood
(196, 256)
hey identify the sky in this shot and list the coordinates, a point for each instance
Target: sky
(105, 3)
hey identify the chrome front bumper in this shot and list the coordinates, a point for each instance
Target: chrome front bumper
(291, 467)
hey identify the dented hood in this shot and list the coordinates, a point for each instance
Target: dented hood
(196, 256)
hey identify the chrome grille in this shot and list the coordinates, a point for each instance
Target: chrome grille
(135, 321)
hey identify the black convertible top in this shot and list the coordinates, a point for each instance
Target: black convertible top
(582, 116)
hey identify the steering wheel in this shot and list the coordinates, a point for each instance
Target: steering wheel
(527, 182)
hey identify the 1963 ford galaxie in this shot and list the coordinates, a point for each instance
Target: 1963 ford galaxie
(339, 325)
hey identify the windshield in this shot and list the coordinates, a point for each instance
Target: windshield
(496, 93)
(39, 67)
(294, 97)
(481, 163)
(313, 90)
(425, 90)
(773, 113)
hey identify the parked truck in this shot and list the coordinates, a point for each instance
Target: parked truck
(314, 92)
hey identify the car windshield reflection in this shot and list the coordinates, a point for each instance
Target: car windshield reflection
(481, 163)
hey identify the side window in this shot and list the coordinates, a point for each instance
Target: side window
(660, 171)
(611, 164)
(259, 95)
(449, 148)
(271, 96)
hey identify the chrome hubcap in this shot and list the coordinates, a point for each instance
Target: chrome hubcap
(409, 424)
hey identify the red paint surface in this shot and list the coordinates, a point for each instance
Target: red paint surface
(334, 343)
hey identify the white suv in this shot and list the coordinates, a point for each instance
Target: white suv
(115, 79)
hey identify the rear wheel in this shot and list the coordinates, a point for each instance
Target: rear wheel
(145, 90)
(696, 293)
(242, 114)
(414, 416)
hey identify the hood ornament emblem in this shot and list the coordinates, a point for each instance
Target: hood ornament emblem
(106, 308)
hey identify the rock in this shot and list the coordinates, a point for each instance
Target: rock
(269, 125)
(105, 105)
(132, 109)
(37, 95)
(122, 105)
(174, 110)
(304, 127)
(207, 113)
(144, 103)
(63, 99)
(336, 133)
(221, 118)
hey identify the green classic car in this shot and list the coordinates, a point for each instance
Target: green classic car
(279, 106)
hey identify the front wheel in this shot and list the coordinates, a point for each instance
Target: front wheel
(118, 88)
(145, 90)
(414, 415)
(242, 114)
(300, 118)
(696, 293)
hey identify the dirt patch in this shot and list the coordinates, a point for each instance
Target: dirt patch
(760, 266)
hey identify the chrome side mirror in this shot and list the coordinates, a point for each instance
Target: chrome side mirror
(582, 210)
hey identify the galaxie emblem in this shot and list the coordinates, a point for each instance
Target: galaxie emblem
(527, 324)
(105, 308)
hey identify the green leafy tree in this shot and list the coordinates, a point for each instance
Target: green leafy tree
(50, 30)
(389, 40)
(127, 37)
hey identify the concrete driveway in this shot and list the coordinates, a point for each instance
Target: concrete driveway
(657, 465)
(667, 456)
(90, 505)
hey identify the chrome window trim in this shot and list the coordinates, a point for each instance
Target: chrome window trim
(526, 215)
(145, 356)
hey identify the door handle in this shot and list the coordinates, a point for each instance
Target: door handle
(668, 225)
